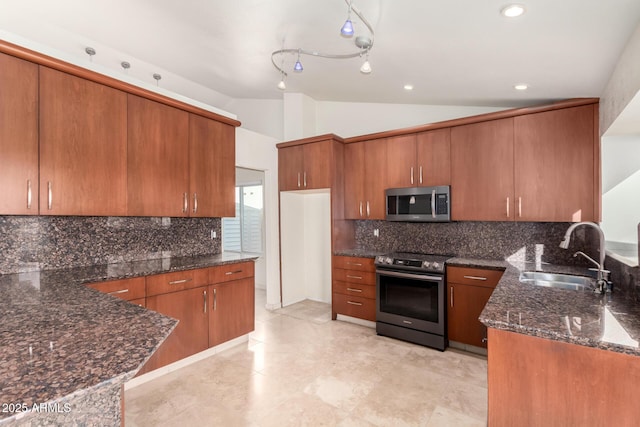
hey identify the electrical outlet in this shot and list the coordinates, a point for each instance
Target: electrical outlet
(214, 235)
(376, 232)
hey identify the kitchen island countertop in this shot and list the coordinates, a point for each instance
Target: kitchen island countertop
(63, 342)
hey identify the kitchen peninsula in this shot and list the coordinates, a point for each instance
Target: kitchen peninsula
(68, 349)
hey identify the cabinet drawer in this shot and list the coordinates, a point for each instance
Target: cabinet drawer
(354, 276)
(364, 291)
(353, 263)
(228, 272)
(126, 289)
(178, 281)
(362, 308)
(474, 276)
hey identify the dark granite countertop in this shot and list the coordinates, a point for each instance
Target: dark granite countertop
(61, 338)
(609, 322)
(360, 253)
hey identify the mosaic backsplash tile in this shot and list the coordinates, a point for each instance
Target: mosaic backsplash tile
(43, 243)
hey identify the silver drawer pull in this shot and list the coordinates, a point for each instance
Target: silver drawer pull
(354, 290)
(475, 277)
(354, 263)
(29, 194)
(354, 303)
(178, 282)
(229, 273)
(407, 322)
(121, 291)
(354, 277)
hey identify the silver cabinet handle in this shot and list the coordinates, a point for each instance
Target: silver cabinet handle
(507, 206)
(420, 174)
(304, 179)
(215, 299)
(519, 207)
(298, 179)
(368, 210)
(121, 291)
(361, 209)
(179, 282)
(204, 297)
(475, 277)
(195, 202)
(354, 290)
(229, 273)
(354, 277)
(49, 195)
(484, 340)
(451, 297)
(354, 263)
(185, 203)
(28, 194)
(411, 175)
(407, 322)
(354, 303)
(433, 203)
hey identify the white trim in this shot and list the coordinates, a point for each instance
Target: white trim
(149, 376)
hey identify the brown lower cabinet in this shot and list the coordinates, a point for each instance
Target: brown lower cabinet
(539, 382)
(468, 290)
(232, 310)
(354, 287)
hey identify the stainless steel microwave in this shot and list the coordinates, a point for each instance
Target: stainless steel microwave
(419, 204)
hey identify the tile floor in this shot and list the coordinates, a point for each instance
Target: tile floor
(299, 368)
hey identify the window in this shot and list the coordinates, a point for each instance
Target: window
(244, 232)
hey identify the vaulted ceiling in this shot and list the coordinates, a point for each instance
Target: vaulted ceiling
(455, 52)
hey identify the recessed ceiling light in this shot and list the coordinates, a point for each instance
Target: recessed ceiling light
(521, 86)
(408, 87)
(512, 10)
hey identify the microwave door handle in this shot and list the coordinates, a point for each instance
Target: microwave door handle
(433, 203)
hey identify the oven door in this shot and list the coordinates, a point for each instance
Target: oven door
(411, 300)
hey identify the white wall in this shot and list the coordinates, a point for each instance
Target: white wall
(347, 119)
(264, 116)
(255, 151)
(305, 246)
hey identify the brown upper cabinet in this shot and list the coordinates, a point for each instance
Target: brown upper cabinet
(305, 166)
(533, 167)
(365, 179)
(83, 146)
(554, 165)
(18, 136)
(482, 171)
(421, 159)
(212, 160)
(158, 159)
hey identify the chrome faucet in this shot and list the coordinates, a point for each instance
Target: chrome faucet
(603, 275)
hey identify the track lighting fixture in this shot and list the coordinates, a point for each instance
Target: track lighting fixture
(363, 43)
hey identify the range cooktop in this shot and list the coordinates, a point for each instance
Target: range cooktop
(412, 261)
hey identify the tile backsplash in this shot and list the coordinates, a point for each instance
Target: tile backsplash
(43, 242)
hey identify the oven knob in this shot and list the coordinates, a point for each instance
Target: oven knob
(426, 264)
(388, 260)
(436, 266)
(380, 259)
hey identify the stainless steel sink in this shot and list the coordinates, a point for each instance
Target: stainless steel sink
(555, 280)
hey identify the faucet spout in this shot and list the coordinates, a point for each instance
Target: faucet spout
(602, 273)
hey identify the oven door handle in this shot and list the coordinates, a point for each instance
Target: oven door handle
(409, 276)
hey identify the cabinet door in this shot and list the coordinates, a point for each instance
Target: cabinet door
(354, 195)
(554, 165)
(212, 168)
(190, 335)
(375, 178)
(482, 171)
(318, 158)
(18, 136)
(465, 305)
(434, 157)
(290, 165)
(401, 161)
(158, 159)
(232, 310)
(83, 146)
